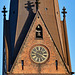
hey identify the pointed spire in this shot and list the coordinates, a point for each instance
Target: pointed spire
(64, 12)
(4, 11)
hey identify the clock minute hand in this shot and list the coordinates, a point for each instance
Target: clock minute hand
(41, 55)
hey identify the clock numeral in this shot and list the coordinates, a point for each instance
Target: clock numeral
(34, 56)
(39, 59)
(45, 55)
(43, 50)
(40, 48)
(34, 49)
(37, 48)
(42, 58)
(33, 52)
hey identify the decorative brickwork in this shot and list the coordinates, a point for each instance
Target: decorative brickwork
(49, 66)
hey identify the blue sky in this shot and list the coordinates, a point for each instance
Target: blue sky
(70, 20)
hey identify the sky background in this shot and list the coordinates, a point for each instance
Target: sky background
(70, 20)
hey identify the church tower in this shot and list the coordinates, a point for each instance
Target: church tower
(35, 39)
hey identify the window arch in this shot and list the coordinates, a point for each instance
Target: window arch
(39, 31)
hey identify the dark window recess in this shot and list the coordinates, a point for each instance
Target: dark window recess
(39, 32)
(56, 64)
(22, 62)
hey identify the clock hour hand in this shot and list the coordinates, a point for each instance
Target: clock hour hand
(41, 55)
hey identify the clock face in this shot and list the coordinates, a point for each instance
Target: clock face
(39, 54)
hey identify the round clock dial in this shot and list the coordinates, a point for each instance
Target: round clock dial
(39, 54)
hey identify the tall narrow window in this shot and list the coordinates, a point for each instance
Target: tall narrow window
(22, 63)
(39, 32)
(56, 64)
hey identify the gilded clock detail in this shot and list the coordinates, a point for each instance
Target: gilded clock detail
(39, 54)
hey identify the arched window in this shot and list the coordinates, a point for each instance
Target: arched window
(39, 31)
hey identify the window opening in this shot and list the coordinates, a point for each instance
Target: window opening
(22, 62)
(56, 64)
(39, 32)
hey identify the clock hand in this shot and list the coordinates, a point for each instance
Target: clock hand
(38, 54)
(41, 55)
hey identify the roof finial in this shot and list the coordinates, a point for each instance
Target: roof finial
(4, 11)
(64, 12)
(37, 4)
